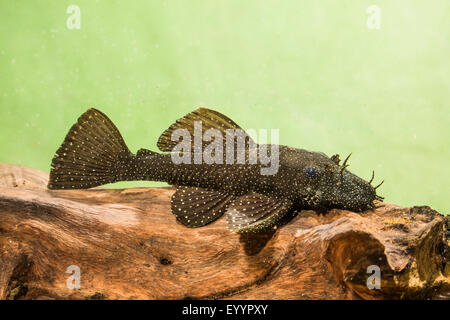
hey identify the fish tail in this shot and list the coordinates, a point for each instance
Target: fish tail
(92, 154)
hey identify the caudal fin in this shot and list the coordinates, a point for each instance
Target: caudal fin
(90, 154)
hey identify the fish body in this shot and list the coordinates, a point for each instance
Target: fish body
(94, 154)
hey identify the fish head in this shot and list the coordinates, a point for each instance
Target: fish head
(330, 185)
(347, 191)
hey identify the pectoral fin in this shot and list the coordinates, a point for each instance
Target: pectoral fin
(254, 212)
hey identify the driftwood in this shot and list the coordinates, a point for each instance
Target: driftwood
(128, 245)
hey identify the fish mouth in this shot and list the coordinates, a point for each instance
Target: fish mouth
(375, 203)
(367, 202)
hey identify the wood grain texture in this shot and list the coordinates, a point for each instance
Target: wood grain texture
(128, 245)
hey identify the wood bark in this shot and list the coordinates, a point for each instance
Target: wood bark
(128, 245)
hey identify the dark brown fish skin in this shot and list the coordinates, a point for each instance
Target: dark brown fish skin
(326, 188)
(94, 153)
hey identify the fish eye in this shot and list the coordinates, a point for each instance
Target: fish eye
(310, 172)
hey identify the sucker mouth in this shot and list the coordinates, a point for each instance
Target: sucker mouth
(373, 205)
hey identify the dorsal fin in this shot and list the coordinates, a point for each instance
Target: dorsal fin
(210, 119)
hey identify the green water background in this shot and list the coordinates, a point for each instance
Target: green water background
(309, 68)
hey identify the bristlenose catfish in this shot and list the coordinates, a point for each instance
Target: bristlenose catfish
(94, 153)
